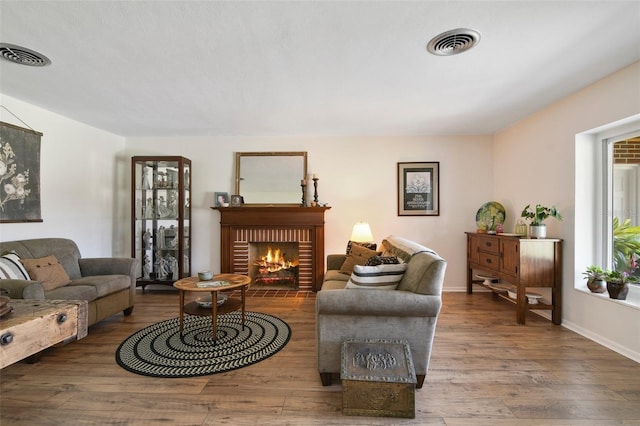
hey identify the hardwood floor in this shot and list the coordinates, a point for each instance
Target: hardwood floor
(485, 370)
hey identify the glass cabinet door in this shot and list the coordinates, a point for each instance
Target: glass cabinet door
(161, 216)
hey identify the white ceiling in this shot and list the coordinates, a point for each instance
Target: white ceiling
(165, 68)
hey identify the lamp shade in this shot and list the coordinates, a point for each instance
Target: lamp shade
(361, 233)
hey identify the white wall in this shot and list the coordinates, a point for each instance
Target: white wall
(535, 163)
(77, 181)
(358, 179)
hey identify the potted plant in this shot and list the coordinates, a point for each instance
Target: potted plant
(595, 277)
(618, 284)
(537, 229)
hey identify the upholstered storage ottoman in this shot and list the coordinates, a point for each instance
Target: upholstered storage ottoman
(378, 378)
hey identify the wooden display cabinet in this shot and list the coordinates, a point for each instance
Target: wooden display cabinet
(522, 262)
(161, 218)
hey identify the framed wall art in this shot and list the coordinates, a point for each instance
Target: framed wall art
(19, 174)
(419, 189)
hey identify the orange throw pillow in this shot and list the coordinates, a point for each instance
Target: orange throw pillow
(48, 271)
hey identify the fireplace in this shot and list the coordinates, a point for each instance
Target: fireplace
(242, 227)
(274, 265)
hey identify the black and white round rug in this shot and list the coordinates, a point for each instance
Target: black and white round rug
(160, 351)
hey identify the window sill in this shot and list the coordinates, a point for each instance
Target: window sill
(632, 301)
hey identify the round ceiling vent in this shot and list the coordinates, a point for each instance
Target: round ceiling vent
(22, 55)
(453, 42)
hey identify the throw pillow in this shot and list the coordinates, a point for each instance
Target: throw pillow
(48, 271)
(357, 256)
(11, 267)
(380, 277)
(382, 260)
(370, 246)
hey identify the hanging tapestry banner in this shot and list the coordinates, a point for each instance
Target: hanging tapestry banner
(19, 174)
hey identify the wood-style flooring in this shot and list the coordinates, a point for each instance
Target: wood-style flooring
(485, 370)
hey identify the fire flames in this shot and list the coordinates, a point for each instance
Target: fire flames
(274, 261)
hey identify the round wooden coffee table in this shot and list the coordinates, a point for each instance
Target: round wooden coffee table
(231, 282)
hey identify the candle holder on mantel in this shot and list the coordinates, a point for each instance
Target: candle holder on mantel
(303, 185)
(315, 190)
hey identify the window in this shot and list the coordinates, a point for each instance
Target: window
(623, 201)
(606, 187)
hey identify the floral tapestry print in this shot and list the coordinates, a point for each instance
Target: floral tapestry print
(19, 174)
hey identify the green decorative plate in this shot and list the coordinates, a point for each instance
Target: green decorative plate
(489, 215)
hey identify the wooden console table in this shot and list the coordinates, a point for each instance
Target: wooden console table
(35, 325)
(522, 262)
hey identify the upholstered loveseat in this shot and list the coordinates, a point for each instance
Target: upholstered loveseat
(107, 284)
(347, 311)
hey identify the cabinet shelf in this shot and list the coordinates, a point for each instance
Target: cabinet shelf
(521, 262)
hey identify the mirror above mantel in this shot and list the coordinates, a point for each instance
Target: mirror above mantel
(271, 178)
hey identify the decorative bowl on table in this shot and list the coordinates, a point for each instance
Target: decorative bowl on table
(205, 300)
(205, 276)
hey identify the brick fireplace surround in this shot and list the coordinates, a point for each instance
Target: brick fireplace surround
(241, 226)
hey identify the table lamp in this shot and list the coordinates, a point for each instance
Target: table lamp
(361, 233)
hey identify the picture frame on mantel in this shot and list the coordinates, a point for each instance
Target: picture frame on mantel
(236, 200)
(419, 189)
(220, 198)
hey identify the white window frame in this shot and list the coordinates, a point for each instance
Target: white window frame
(594, 204)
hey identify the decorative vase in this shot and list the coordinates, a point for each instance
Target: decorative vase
(596, 286)
(537, 231)
(618, 291)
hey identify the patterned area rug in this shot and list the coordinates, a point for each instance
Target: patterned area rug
(160, 351)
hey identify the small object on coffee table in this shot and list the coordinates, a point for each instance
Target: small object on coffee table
(207, 284)
(205, 276)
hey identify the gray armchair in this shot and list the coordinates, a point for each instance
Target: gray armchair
(410, 312)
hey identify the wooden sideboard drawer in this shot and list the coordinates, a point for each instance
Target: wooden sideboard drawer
(489, 244)
(490, 261)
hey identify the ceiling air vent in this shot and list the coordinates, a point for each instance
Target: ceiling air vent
(22, 55)
(453, 42)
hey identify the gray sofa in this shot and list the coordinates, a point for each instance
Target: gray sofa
(107, 284)
(410, 312)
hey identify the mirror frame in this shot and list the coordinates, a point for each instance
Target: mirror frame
(239, 156)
